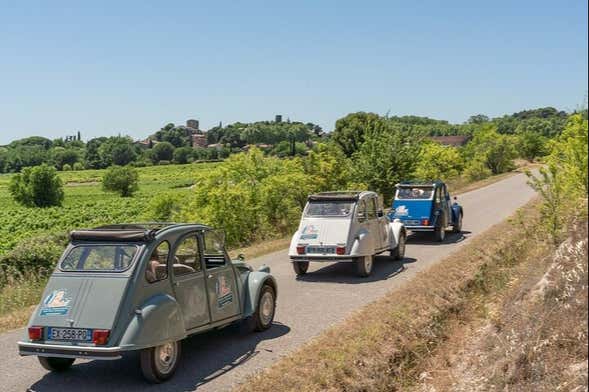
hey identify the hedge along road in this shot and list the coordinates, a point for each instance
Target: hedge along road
(221, 359)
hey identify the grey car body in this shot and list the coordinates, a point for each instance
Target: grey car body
(190, 294)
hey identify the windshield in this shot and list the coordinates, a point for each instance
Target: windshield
(329, 208)
(414, 193)
(107, 258)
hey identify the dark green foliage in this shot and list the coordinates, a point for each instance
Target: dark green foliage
(35, 255)
(350, 131)
(177, 136)
(163, 151)
(183, 155)
(37, 187)
(122, 180)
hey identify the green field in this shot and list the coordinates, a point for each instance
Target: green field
(87, 205)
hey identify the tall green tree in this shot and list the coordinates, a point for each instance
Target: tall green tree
(350, 131)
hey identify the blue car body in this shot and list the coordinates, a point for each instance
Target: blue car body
(426, 206)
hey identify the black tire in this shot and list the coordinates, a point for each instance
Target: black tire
(300, 267)
(457, 228)
(399, 252)
(56, 364)
(158, 364)
(440, 233)
(364, 266)
(265, 309)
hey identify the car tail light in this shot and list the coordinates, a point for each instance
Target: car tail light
(301, 249)
(340, 250)
(35, 333)
(100, 336)
(425, 222)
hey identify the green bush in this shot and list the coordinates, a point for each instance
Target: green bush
(122, 180)
(78, 166)
(37, 186)
(477, 169)
(163, 151)
(66, 167)
(437, 161)
(183, 155)
(36, 255)
(164, 207)
(163, 163)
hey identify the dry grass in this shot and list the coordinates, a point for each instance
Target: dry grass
(16, 297)
(530, 337)
(261, 248)
(380, 347)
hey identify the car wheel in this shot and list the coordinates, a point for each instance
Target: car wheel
(300, 267)
(56, 364)
(364, 265)
(399, 252)
(440, 233)
(266, 308)
(159, 363)
(457, 228)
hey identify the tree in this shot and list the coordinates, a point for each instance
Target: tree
(122, 180)
(478, 119)
(497, 151)
(531, 145)
(350, 131)
(183, 154)
(163, 151)
(437, 161)
(384, 159)
(37, 186)
(117, 150)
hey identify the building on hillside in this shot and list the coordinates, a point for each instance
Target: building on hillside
(198, 137)
(454, 140)
(145, 144)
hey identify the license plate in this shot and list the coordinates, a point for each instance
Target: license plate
(78, 334)
(412, 223)
(321, 250)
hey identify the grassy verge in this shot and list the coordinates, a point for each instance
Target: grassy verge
(383, 346)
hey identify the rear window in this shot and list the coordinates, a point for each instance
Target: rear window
(415, 193)
(106, 258)
(329, 208)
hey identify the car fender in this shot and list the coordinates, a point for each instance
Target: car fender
(255, 281)
(363, 244)
(456, 210)
(292, 250)
(395, 228)
(156, 321)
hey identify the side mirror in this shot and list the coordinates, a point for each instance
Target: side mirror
(241, 257)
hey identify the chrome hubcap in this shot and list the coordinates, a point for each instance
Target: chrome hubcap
(165, 357)
(267, 308)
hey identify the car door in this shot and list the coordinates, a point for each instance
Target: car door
(373, 220)
(221, 280)
(189, 281)
(446, 204)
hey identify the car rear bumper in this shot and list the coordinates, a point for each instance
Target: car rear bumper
(65, 351)
(340, 259)
(420, 228)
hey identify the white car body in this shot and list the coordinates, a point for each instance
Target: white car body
(363, 232)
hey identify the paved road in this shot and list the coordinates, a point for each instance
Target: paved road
(218, 360)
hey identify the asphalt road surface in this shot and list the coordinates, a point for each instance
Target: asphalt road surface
(218, 360)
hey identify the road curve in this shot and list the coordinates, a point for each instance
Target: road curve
(218, 360)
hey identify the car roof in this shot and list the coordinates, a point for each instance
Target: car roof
(339, 196)
(132, 232)
(419, 183)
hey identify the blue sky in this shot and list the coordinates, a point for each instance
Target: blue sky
(105, 68)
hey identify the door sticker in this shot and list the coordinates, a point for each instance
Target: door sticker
(401, 211)
(224, 292)
(56, 303)
(310, 232)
